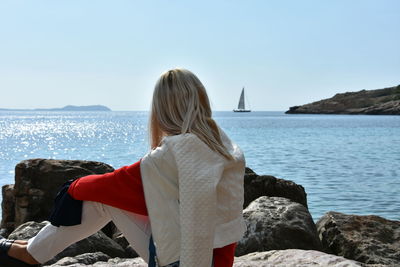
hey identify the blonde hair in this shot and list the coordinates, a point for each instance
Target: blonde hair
(181, 105)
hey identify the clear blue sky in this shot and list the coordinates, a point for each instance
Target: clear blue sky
(54, 53)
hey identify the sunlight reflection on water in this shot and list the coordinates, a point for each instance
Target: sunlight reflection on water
(346, 163)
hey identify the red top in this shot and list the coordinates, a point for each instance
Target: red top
(123, 189)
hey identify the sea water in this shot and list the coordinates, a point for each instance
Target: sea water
(346, 163)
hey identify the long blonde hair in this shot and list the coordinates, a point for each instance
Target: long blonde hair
(181, 105)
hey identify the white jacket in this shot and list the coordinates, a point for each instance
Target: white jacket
(194, 198)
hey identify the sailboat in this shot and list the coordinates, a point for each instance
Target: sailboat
(241, 106)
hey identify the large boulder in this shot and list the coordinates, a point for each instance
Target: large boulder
(37, 181)
(368, 239)
(275, 223)
(97, 242)
(256, 186)
(293, 258)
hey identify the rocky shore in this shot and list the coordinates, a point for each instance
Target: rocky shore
(372, 102)
(280, 229)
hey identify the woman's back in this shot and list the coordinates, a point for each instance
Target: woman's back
(194, 197)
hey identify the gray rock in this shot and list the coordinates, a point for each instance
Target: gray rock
(115, 234)
(121, 240)
(97, 242)
(368, 239)
(137, 262)
(114, 262)
(37, 181)
(85, 259)
(275, 223)
(27, 230)
(293, 258)
(274, 258)
(256, 186)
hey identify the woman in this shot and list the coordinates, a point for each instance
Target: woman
(180, 205)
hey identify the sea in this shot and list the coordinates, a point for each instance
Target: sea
(346, 163)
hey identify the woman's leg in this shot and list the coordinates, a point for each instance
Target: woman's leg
(135, 228)
(51, 240)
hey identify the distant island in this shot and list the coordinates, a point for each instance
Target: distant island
(66, 108)
(373, 102)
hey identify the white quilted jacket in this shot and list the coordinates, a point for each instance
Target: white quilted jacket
(194, 198)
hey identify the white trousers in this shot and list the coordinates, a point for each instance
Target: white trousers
(51, 240)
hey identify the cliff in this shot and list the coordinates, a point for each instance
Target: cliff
(373, 102)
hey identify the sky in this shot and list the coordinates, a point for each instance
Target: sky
(285, 53)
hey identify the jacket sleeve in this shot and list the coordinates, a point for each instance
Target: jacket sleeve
(121, 188)
(199, 171)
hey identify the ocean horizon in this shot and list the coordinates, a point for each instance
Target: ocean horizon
(346, 163)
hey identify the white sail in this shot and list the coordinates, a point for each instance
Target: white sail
(241, 105)
(241, 100)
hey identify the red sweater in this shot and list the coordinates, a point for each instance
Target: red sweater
(123, 189)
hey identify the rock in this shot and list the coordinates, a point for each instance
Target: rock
(248, 171)
(293, 258)
(114, 262)
(85, 259)
(36, 183)
(367, 239)
(4, 232)
(97, 242)
(109, 229)
(256, 186)
(375, 102)
(8, 209)
(277, 223)
(115, 234)
(273, 258)
(27, 230)
(121, 240)
(388, 108)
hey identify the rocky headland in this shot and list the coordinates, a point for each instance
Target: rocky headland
(66, 108)
(280, 229)
(370, 102)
